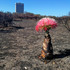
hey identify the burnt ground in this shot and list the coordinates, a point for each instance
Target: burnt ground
(20, 46)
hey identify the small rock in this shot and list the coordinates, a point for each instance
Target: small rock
(25, 68)
(53, 62)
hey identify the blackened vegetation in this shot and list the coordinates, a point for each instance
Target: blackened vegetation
(6, 23)
(26, 15)
(67, 23)
(6, 19)
(64, 20)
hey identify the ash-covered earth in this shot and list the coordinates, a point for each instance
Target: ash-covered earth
(20, 46)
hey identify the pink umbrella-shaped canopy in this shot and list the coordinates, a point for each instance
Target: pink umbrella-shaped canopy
(45, 24)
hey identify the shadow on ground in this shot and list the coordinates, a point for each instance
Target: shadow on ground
(62, 54)
(10, 29)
